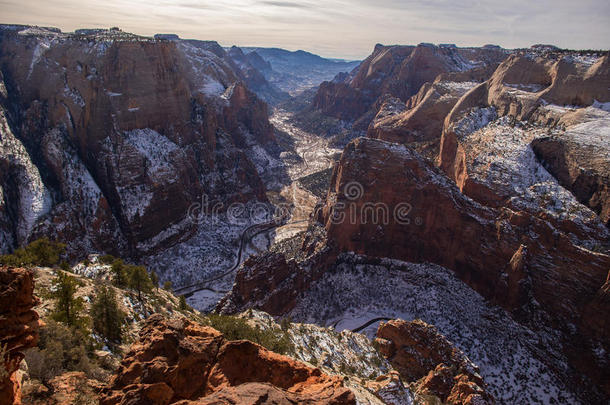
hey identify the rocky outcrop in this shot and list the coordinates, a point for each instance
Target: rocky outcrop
(272, 282)
(424, 356)
(415, 348)
(579, 167)
(418, 122)
(19, 325)
(390, 389)
(127, 133)
(181, 362)
(255, 286)
(400, 71)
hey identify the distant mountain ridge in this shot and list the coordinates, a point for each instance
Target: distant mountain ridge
(296, 71)
(269, 53)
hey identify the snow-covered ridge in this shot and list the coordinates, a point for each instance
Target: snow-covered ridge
(475, 120)
(499, 155)
(210, 73)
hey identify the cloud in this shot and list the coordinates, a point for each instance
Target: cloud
(336, 28)
(286, 4)
(197, 6)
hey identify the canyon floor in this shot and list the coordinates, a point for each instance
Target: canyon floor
(311, 155)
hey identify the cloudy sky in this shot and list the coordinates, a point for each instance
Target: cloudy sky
(334, 28)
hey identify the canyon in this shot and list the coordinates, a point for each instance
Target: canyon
(451, 204)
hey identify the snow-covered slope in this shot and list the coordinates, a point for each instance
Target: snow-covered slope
(511, 358)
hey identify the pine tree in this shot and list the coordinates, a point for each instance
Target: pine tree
(154, 279)
(68, 308)
(119, 273)
(167, 285)
(41, 252)
(182, 305)
(107, 317)
(139, 280)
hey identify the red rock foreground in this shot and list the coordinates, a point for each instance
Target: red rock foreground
(179, 362)
(421, 354)
(18, 327)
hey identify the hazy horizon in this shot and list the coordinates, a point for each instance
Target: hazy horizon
(334, 28)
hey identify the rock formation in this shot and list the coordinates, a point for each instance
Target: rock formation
(181, 362)
(579, 167)
(251, 67)
(418, 122)
(424, 356)
(400, 71)
(411, 185)
(124, 133)
(19, 325)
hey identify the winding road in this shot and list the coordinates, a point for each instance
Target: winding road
(370, 322)
(202, 285)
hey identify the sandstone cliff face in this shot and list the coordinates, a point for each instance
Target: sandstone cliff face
(181, 362)
(419, 122)
(443, 226)
(18, 327)
(424, 356)
(509, 256)
(127, 133)
(400, 71)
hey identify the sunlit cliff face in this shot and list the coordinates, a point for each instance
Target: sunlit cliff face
(337, 28)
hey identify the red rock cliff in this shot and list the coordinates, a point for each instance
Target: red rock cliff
(400, 71)
(19, 325)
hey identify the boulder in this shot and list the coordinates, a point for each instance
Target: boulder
(422, 355)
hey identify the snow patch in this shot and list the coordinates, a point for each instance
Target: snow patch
(156, 148)
(212, 87)
(41, 47)
(475, 119)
